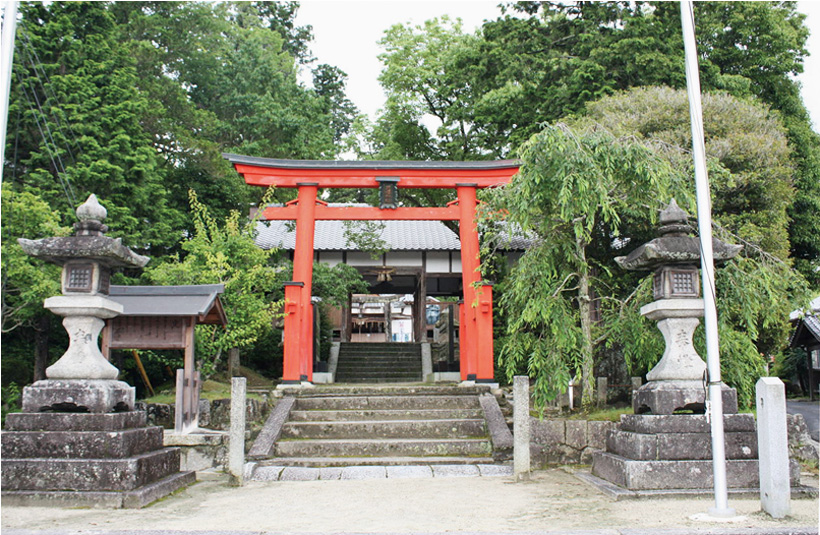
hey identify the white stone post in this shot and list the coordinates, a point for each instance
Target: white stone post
(773, 446)
(236, 446)
(521, 427)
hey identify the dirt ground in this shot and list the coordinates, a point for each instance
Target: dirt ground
(553, 500)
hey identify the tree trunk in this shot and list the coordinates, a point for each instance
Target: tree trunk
(584, 309)
(41, 347)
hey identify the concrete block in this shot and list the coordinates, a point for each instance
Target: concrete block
(635, 446)
(89, 474)
(666, 397)
(775, 490)
(81, 444)
(404, 472)
(495, 470)
(299, 473)
(74, 421)
(684, 423)
(364, 472)
(267, 473)
(521, 427)
(78, 395)
(576, 434)
(547, 431)
(330, 473)
(597, 433)
(455, 470)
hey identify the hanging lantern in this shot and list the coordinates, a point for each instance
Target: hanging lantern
(388, 192)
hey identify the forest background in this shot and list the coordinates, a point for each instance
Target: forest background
(136, 101)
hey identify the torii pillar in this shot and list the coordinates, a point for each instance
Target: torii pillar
(476, 329)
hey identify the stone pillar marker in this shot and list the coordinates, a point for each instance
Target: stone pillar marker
(521, 428)
(236, 446)
(773, 446)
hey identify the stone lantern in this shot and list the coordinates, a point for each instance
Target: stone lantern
(82, 379)
(79, 441)
(666, 446)
(677, 381)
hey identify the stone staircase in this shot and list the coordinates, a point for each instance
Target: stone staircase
(390, 425)
(379, 363)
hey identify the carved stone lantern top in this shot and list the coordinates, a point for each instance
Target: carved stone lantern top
(88, 242)
(675, 245)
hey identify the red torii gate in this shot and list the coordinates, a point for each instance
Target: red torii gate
(308, 176)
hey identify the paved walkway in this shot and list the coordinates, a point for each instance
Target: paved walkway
(554, 501)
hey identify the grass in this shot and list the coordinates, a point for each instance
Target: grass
(211, 390)
(606, 414)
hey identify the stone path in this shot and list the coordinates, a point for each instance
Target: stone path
(300, 473)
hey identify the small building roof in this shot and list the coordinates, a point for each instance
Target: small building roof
(200, 300)
(330, 236)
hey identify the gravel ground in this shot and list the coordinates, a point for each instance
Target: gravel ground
(553, 501)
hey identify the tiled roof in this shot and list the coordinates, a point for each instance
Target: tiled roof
(330, 235)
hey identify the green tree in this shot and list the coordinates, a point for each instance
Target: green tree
(571, 186)
(225, 253)
(75, 124)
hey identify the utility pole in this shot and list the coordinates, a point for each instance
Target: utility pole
(6, 57)
(714, 398)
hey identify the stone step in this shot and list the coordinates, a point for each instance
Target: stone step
(678, 446)
(661, 475)
(376, 461)
(381, 361)
(407, 376)
(367, 402)
(384, 414)
(380, 368)
(420, 429)
(425, 390)
(81, 444)
(89, 474)
(74, 421)
(376, 380)
(457, 447)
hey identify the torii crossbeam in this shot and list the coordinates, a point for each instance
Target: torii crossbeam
(308, 176)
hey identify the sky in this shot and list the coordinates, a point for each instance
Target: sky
(346, 34)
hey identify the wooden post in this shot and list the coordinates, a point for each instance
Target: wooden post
(485, 371)
(470, 276)
(303, 272)
(291, 367)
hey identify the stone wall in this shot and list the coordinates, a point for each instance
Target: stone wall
(213, 414)
(561, 441)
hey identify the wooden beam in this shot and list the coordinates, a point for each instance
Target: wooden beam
(364, 213)
(366, 178)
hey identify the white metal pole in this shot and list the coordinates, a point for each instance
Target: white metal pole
(6, 56)
(715, 404)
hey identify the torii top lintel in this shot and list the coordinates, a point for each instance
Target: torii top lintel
(363, 174)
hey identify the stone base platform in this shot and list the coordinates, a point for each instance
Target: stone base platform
(78, 395)
(664, 452)
(666, 397)
(87, 459)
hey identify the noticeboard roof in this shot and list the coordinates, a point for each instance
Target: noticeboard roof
(200, 301)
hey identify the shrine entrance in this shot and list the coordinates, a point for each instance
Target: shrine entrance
(309, 176)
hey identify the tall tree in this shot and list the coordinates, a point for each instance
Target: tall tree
(549, 60)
